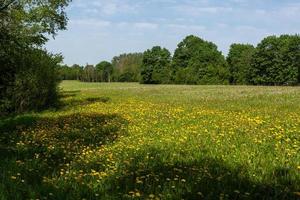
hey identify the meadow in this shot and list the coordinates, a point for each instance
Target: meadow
(131, 141)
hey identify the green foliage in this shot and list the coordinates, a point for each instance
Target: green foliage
(24, 27)
(28, 21)
(276, 61)
(239, 60)
(156, 66)
(197, 61)
(127, 67)
(36, 87)
(104, 71)
(124, 68)
(32, 83)
(89, 74)
(74, 72)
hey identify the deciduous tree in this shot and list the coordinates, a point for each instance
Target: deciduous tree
(239, 60)
(156, 66)
(104, 70)
(276, 61)
(127, 67)
(197, 61)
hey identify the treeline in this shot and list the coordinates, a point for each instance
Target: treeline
(195, 61)
(275, 61)
(123, 68)
(28, 73)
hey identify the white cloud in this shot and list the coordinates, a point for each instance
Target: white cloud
(200, 10)
(248, 29)
(105, 7)
(187, 27)
(145, 25)
(90, 22)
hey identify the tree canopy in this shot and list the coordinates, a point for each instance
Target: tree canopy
(30, 21)
(239, 60)
(276, 61)
(104, 70)
(156, 66)
(197, 61)
(127, 67)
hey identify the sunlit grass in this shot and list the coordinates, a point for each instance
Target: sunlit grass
(131, 141)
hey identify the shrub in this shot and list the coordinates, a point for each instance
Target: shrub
(35, 84)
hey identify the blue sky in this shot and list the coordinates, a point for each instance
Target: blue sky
(101, 29)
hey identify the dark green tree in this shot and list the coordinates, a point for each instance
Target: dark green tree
(156, 66)
(104, 70)
(65, 72)
(239, 60)
(197, 61)
(75, 72)
(24, 28)
(36, 87)
(276, 61)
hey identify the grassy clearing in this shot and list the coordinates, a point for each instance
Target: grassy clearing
(128, 141)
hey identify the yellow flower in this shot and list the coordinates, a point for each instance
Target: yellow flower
(137, 194)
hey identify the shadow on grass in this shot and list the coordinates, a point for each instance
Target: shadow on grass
(68, 99)
(206, 178)
(42, 147)
(150, 175)
(33, 148)
(68, 94)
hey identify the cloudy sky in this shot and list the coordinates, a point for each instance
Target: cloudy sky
(101, 29)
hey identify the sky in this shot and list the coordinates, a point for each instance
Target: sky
(101, 29)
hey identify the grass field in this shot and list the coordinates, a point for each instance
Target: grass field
(131, 141)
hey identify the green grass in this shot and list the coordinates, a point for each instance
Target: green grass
(131, 141)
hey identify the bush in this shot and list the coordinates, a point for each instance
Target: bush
(28, 74)
(35, 84)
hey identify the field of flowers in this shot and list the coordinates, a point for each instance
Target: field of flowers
(131, 141)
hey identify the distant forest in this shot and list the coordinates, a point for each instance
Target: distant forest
(274, 61)
(123, 68)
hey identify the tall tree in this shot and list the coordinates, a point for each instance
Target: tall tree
(239, 61)
(127, 67)
(276, 61)
(104, 70)
(89, 74)
(197, 61)
(156, 66)
(75, 72)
